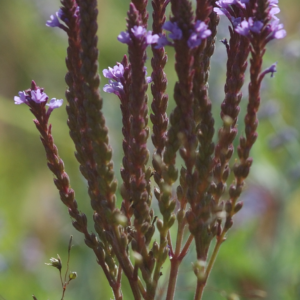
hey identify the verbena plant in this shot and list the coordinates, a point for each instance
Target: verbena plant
(194, 199)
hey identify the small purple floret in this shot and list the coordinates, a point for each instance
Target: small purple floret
(54, 103)
(200, 32)
(272, 69)
(162, 42)
(175, 31)
(21, 99)
(115, 72)
(54, 21)
(38, 97)
(276, 30)
(124, 37)
(114, 87)
(151, 39)
(140, 33)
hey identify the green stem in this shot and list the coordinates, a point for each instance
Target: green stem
(202, 282)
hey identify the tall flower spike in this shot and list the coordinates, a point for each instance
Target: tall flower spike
(159, 120)
(202, 202)
(139, 154)
(61, 180)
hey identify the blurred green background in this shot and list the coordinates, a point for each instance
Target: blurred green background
(260, 259)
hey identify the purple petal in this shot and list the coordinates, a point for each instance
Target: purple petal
(280, 34)
(175, 31)
(271, 69)
(55, 103)
(243, 28)
(148, 79)
(151, 39)
(21, 99)
(138, 31)
(115, 72)
(124, 37)
(257, 26)
(54, 21)
(162, 42)
(113, 87)
(37, 96)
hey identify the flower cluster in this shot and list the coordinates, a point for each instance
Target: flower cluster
(199, 33)
(140, 33)
(247, 25)
(37, 96)
(115, 76)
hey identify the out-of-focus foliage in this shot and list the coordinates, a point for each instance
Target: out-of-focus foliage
(259, 260)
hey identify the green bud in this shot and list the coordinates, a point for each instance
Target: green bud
(159, 225)
(180, 215)
(171, 221)
(72, 275)
(155, 249)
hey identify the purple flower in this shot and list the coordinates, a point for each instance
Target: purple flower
(151, 39)
(275, 30)
(115, 72)
(175, 34)
(124, 37)
(55, 20)
(54, 103)
(140, 33)
(271, 69)
(200, 32)
(114, 87)
(162, 42)
(115, 76)
(229, 9)
(38, 97)
(243, 28)
(246, 27)
(21, 99)
(222, 11)
(227, 5)
(175, 31)
(235, 21)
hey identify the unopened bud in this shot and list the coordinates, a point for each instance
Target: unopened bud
(238, 207)
(159, 224)
(199, 269)
(137, 257)
(227, 121)
(120, 219)
(72, 275)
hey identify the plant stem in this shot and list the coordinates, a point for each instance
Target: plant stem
(175, 261)
(202, 282)
(186, 247)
